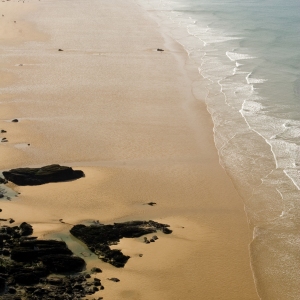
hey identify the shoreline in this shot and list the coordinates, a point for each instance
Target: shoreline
(167, 155)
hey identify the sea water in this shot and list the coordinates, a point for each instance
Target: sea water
(248, 57)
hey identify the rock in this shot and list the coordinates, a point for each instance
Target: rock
(158, 49)
(62, 263)
(46, 174)
(30, 250)
(29, 277)
(114, 279)
(26, 229)
(11, 221)
(166, 230)
(151, 203)
(1, 195)
(3, 131)
(55, 281)
(15, 120)
(96, 270)
(12, 290)
(99, 237)
(2, 180)
(2, 285)
(155, 237)
(6, 252)
(60, 50)
(97, 283)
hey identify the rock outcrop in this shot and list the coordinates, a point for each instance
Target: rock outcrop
(38, 176)
(99, 237)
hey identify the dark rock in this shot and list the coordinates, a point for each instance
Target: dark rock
(114, 279)
(155, 237)
(166, 230)
(2, 285)
(30, 250)
(1, 195)
(60, 50)
(28, 277)
(158, 49)
(96, 270)
(11, 221)
(151, 203)
(55, 281)
(26, 229)
(5, 252)
(3, 131)
(99, 237)
(62, 263)
(12, 290)
(2, 180)
(87, 276)
(46, 174)
(15, 120)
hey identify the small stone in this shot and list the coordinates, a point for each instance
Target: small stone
(158, 49)
(140, 255)
(114, 279)
(3, 131)
(15, 120)
(11, 221)
(60, 50)
(151, 203)
(155, 237)
(152, 240)
(87, 276)
(96, 270)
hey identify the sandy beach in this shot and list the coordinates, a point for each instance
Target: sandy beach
(113, 106)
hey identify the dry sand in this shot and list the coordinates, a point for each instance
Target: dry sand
(124, 113)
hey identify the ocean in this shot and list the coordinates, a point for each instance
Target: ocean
(248, 57)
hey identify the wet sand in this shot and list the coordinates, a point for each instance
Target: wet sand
(124, 113)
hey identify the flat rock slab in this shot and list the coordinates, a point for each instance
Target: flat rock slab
(38, 176)
(99, 237)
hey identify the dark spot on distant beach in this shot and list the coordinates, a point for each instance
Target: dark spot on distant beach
(3, 131)
(158, 49)
(114, 279)
(15, 120)
(151, 203)
(60, 50)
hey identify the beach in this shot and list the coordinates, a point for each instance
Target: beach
(113, 106)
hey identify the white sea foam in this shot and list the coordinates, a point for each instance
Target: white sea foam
(233, 56)
(252, 128)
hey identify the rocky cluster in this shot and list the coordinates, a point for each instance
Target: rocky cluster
(41, 269)
(99, 237)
